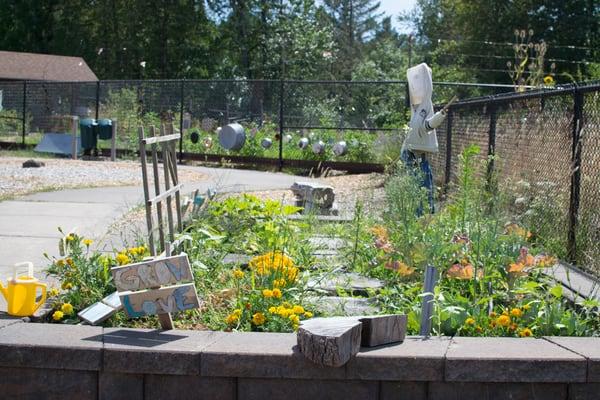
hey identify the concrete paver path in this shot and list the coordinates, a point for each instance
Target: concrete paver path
(28, 225)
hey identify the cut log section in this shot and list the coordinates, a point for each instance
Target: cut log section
(334, 341)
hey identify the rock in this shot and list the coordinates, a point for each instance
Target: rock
(350, 282)
(347, 306)
(31, 163)
(238, 260)
(329, 243)
(314, 194)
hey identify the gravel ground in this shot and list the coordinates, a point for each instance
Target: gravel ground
(67, 174)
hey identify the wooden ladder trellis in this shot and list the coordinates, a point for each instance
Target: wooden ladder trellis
(172, 188)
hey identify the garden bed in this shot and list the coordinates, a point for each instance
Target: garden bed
(491, 268)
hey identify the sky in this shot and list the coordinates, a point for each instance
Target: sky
(395, 7)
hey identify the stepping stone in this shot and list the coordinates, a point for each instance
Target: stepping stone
(240, 260)
(350, 282)
(321, 218)
(316, 194)
(334, 341)
(329, 243)
(347, 306)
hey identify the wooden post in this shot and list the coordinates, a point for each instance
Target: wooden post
(74, 128)
(427, 302)
(161, 233)
(146, 191)
(166, 322)
(113, 141)
(175, 180)
(166, 162)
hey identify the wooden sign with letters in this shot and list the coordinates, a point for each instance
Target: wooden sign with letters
(156, 286)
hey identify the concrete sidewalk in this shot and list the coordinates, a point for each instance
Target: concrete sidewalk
(28, 225)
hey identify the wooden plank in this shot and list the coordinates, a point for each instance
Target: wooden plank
(175, 178)
(96, 313)
(166, 160)
(155, 273)
(112, 300)
(146, 190)
(160, 301)
(164, 195)
(427, 300)
(160, 139)
(161, 232)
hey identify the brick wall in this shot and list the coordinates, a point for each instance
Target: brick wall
(43, 361)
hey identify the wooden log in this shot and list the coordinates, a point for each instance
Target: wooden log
(382, 329)
(334, 341)
(330, 342)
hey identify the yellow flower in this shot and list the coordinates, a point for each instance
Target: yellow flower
(66, 285)
(258, 318)
(60, 263)
(516, 312)
(274, 263)
(231, 319)
(493, 315)
(58, 315)
(87, 242)
(548, 80)
(53, 292)
(503, 320)
(122, 259)
(308, 314)
(294, 318)
(470, 321)
(283, 311)
(69, 261)
(238, 274)
(526, 307)
(70, 238)
(67, 308)
(267, 293)
(526, 332)
(277, 293)
(295, 326)
(298, 309)
(273, 310)
(279, 283)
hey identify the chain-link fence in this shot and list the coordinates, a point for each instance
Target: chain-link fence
(368, 116)
(543, 150)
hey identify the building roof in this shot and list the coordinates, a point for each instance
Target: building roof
(44, 67)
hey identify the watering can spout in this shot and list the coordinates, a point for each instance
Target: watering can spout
(4, 291)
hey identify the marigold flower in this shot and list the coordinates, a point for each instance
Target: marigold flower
(308, 314)
(279, 283)
(503, 320)
(548, 80)
(258, 318)
(58, 315)
(60, 263)
(267, 293)
(273, 310)
(238, 274)
(526, 332)
(294, 318)
(66, 285)
(231, 319)
(526, 307)
(70, 237)
(70, 261)
(53, 292)
(277, 293)
(516, 312)
(470, 321)
(87, 242)
(478, 329)
(122, 259)
(513, 327)
(67, 308)
(493, 315)
(298, 309)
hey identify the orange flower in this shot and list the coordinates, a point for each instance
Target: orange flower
(381, 232)
(516, 269)
(503, 320)
(401, 268)
(526, 332)
(459, 271)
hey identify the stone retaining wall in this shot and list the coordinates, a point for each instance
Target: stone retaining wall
(43, 361)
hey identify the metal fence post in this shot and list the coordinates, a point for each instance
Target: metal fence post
(281, 119)
(491, 144)
(575, 175)
(181, 121)
(427, 300)
(448, 167)
(24, 116)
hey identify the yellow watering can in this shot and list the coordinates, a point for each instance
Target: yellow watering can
(21, 292)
